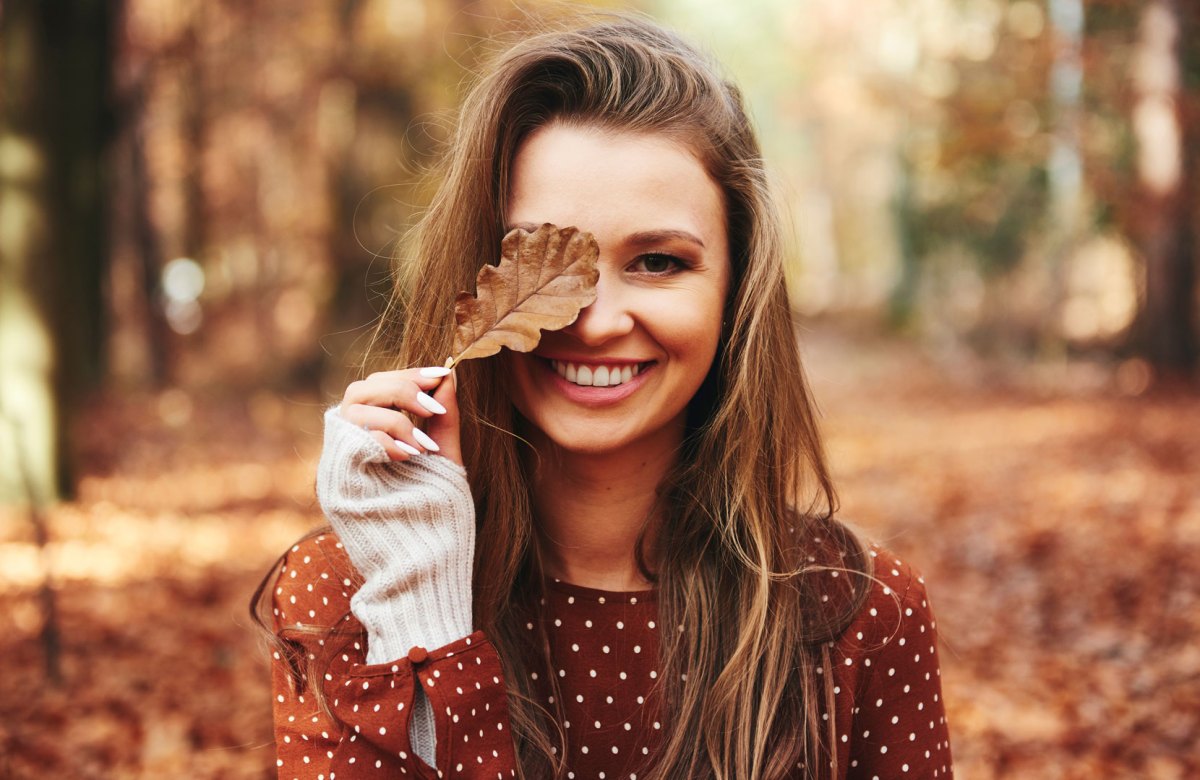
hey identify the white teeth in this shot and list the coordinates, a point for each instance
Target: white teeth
(595, 376)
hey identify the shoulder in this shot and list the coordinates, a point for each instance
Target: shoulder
(897, 602)
(893, 637)
(313, 584)
(897, 584)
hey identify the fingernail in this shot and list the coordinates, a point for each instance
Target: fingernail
(424, 440)
(429, 403)
(434, 372)
(406, 447)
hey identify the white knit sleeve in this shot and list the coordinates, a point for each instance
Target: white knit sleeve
(409, 529)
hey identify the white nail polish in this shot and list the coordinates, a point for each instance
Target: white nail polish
(424, 440)
(429, 403)
(434, 372)
(406, 447)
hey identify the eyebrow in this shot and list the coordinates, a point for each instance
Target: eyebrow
(641, 238)
(657, 236)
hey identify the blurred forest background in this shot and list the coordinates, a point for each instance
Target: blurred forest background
(995, 255)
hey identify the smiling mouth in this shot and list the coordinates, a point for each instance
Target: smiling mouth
(589, 375)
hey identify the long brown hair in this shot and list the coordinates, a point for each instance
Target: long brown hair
(748, 528)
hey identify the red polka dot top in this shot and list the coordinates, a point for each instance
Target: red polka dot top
(888, 714)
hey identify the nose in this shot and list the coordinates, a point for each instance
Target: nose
(606, 318)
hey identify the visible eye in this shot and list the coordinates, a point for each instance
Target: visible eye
(657, 264)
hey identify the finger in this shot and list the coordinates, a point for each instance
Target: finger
(399, 436)
(407, 390)
(444, 428)
(396, 449)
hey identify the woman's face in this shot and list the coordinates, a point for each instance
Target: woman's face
(622, 374)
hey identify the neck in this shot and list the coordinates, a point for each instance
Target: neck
(593, 507)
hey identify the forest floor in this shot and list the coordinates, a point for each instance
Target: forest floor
(1056, 520)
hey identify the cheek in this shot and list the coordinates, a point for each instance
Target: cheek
(692, 335)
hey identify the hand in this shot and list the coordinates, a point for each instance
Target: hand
(378, 402)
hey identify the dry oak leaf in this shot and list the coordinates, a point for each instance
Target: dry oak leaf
(542, 281)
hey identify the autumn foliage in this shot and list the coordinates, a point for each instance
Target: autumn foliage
(201, 202)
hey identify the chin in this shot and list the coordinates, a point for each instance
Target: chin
(585, 442)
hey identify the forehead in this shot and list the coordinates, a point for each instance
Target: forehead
(606, 180)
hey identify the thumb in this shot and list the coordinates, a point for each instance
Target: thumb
(444, 428)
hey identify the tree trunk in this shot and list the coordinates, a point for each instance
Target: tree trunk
(1167, 136)
(55, 125)
(147, 244)
(1064, 168)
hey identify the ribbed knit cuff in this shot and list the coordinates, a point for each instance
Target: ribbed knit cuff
(409, 529)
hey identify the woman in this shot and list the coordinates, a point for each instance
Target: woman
(615, 556)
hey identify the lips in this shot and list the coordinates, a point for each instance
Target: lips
(596, 375)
